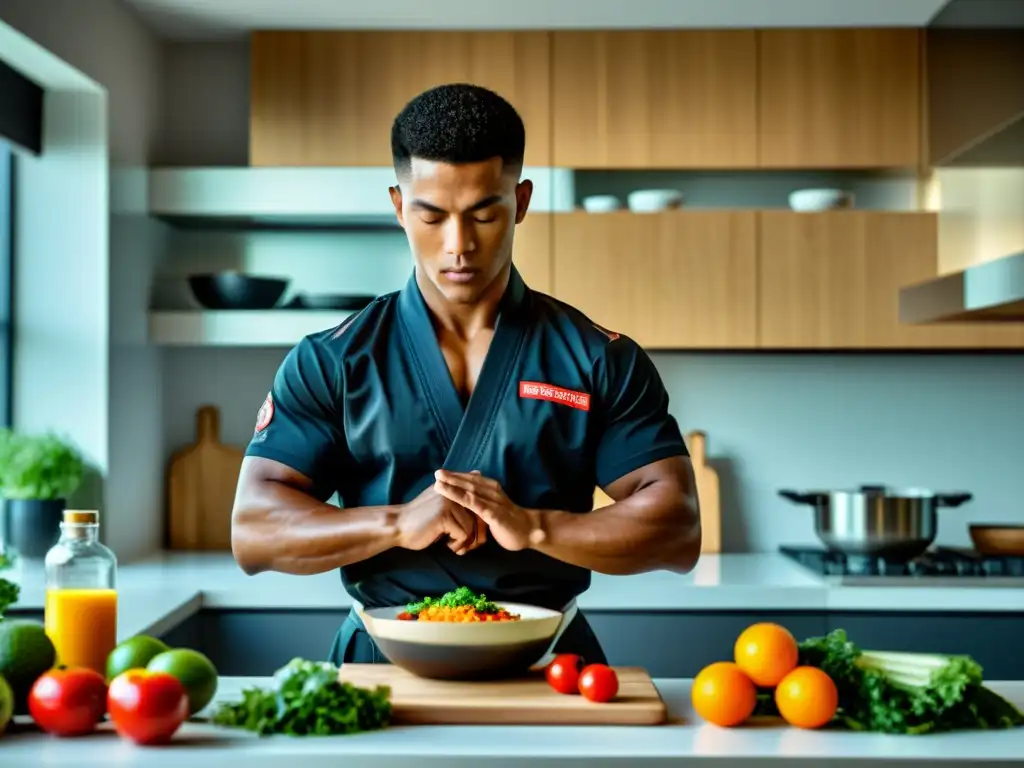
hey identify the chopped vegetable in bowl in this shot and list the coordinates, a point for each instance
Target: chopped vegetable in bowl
(460, 605)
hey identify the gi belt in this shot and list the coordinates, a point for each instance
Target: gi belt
(355, 622)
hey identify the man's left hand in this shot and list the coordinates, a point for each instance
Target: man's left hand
(511, 526)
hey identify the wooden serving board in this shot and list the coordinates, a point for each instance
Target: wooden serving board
(527, 701)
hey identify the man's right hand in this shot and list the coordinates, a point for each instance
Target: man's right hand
(430, 516)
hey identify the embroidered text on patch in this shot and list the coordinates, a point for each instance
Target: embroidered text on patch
(535, 390)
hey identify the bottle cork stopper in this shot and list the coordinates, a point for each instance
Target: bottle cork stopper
(81, 516)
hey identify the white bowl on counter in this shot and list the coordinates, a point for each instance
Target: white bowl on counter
(654, 200)
(811, 200)
(601, 204)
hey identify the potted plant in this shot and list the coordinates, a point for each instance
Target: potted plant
(37, 474)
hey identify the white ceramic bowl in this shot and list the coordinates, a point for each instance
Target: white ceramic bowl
(467, 651)
(601, 203)
(808, 200)
(653, 200)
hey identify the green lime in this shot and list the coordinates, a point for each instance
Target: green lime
(134, 653)
(6, 705)
(25, 653)
(194, 670)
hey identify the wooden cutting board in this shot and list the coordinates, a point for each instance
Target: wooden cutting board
(527, 701)
(707, 492)
(201, 484)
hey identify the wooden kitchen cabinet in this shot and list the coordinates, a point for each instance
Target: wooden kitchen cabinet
(832, 280)
(531, 251)
(673, 280)
(839, 98)
(654, 99)
(328, 98)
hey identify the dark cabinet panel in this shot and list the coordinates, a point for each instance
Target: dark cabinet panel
(989, 638)
(676, 644)
(681, 644)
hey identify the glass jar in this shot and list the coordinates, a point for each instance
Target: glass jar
(81, 593)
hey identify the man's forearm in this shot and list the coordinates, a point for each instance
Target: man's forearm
(289, 531)
(654, 528)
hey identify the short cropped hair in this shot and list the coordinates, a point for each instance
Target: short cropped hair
(458, 123)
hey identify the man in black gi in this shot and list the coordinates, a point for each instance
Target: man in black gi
(465, 420)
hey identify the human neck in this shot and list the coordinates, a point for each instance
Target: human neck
(464, 320)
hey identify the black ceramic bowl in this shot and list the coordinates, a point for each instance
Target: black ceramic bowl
(352, 302)
(233, 290)
(470, 651)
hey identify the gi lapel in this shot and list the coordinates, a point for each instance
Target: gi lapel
(466, 430)
(422, 348)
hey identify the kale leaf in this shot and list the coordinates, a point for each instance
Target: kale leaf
(308, 699)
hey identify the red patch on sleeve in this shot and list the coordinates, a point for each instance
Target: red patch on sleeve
(535, 390)
(266, 413)
(612, 335)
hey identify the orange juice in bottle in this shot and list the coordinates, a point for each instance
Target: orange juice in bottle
(81, 593)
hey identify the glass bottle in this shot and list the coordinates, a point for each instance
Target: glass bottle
(81, 593)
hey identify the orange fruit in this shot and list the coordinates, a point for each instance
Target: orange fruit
(723, 695)
(767, 653)
(807, 698)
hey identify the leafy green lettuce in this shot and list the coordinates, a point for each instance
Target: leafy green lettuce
(904, 693)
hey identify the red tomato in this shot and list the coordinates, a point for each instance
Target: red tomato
(563, 673)
(147, 707)
(68, 701)
(599, 682)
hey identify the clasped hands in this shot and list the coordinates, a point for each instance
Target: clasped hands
(466, 507)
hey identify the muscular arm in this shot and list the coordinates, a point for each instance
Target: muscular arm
(654, 524)
(277, 525)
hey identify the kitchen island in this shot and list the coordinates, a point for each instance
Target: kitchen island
(685, 740)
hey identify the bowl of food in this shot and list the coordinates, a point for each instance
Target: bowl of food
(463, 636)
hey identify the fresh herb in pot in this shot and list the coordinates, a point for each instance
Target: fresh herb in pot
(9, 593)
(38, 466)
(454, 599)
(904, 693)
(308, 699)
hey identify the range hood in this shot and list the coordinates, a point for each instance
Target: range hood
(991, 292)
(976, 144)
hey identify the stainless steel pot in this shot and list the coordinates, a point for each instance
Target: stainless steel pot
(875, 520)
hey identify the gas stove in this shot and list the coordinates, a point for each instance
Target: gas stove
(941, 561)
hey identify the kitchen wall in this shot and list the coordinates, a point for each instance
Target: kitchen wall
(774, 421)
(83, 365)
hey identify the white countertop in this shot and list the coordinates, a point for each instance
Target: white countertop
(686, 740)
(164, 589)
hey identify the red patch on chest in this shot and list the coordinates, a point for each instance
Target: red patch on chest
(535, 390)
